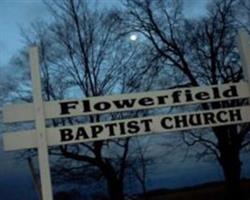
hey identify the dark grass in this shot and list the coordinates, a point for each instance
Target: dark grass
(208, 191)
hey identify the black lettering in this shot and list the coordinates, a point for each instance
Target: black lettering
(81, 133)
(202, 96)
(86, 106)
(176, 96)
(65, 106)
(161, 99)
(95, 130)
(188, 95)
(209, 118)
(111, 127)
(232, 92)
(147, 124)
(122, 128)
(164, 123)
(195, 119)
(235, 115)
(133, 127)
(66, 134)
(181, 121)
(147, 101)
(102, 106)
(216, 92)
(125, 103)
(221, 116)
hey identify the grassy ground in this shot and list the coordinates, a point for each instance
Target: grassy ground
(211, 191)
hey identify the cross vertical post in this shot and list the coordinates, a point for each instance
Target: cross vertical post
(244, 50)
(43, 156)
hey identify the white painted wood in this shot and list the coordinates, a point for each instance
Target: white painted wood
(16, 140)
(40, 133)
(21, 140)
(26, 112)
(18, 112)
(244, 49)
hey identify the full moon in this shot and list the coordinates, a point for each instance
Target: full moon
(133, 37)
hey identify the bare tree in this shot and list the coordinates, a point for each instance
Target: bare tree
(204, 52)
(84, 54)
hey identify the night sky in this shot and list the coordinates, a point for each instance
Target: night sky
(17, 14)
(15, 175)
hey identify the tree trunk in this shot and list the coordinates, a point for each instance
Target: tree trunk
(231, 165)
(115, 189)
(114, 183)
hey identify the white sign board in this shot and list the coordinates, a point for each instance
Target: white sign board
(129, 127)
(128, 102)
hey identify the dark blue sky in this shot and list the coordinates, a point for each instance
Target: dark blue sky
(15, 14)
(14, 174)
